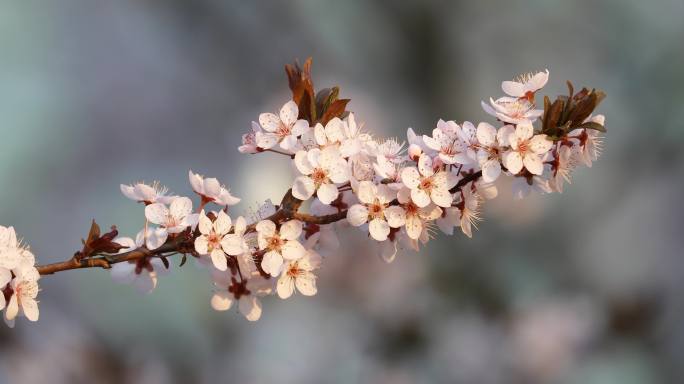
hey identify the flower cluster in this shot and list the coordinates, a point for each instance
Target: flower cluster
(18, 278)
(398, 193)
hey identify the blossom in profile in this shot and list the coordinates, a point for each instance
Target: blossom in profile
(210, 190)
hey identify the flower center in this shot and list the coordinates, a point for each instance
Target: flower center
(523, 147)
(319, 176)
(275, 243)
(214, 241)
(283, 130)
(426, 184)
(376, 210)
(294, 271)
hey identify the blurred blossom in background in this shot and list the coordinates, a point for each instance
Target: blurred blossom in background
(583, 287)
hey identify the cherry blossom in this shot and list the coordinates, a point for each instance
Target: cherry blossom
(469, 208)
(526, 149)
(246, 292)
(563, 164)
(299, 273)
(375, 210)
(279, 244)
(492, 143)
(426, 184)
(249, 143)
(147, 194)
(321, 170)
(283, 129)
(211, 190)
(446, 142)
(417, 218)
(212, 240)
(23, 299)
(174, 219)
(590, 141)
(512, 110)
(526, 85)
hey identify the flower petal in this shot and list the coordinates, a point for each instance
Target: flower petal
(289, 113)
(269, 122)
(420, 197)
(286, 286)
(396, 216)
(291, 230)
(222, 300)
(327, 193)
(379, 229)
(491, 169)
(513, 88)
(425, 165)
(306, 284)
(293, 250)
(303, 188)
(250, 307)
(533, 164)
(218, 258)
(410, 177)
(157, 213)
(540, 144)
(357, 215)
(222, 224)
(272, 262)
(513, 162)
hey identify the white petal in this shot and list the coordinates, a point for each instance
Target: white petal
(385, 194)
(431, 143)
(205, 224)
(269, 122)
(12, 309)
(156, 213)
(212, 187)
(222, 300)
(303, 188)
(5, 278)
(379, 229)
(486, 134)
(272, 262)
(302, 163)
(319, 133)
(533, 164)
(396, 216)
(218, 258)
(366, 192)
(540, 144)
(123, 273)
(233, 244)
(357, 215)
(441, 197)
(195, 181)
(491, 169)
(222, 224)
(513, 162)
(410, 177)
(266, 140)
(180, 207)
(420, 197)
(266, 227)
(291, 230)
(289, 113)
(30, 308)
(524, 131)
(293, 250)
(327, 193)
(285, 287)
(425, 165)
(338, 172)
(538, 81)
(513, 88)
(300, 127)
(306, 284)
(414, 226)
(156, 237)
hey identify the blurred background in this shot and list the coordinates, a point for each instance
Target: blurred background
(583, 287)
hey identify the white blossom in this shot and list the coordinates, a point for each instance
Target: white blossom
(492, 143)
(299, 273)
(526, 149)
(211, 190)
(590, 141)
(249, 143)
(563, 164)
(321, 170)
(213, 240)
(172, 220)
(417, 218)
(147, 194)
(512, 110)
(246, 292)
(375, 210)
(427, 185)
(526, 85)
(279, 244)
(283, 129)
(142, 273)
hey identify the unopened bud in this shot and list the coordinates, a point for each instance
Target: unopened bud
(414, 152)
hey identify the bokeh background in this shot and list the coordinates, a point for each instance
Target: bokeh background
(584, 287)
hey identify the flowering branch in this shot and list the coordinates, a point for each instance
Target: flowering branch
(394, 193)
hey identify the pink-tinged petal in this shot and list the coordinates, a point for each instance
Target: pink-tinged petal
(303, 188)
(420, 197)
(379, 229)
(513, 88)
(202, 245)
(266, 140)
(466, 228)
(129, 192)
(157, 213)
(425, 165)
(334, 131)
(289, 113)
(30, 308)
(538, 81)
(212, 187)
(269, 122)
(285, 286)
(225, 198)
(414, 226)
(233, 244)
(432, 143)
(441, 197)
(385, 194)
(5, 278)
(272, 262)
(300, 127)
(240, 225)
(156, 237)
(327, 193)
(357, 215)
(533, 164)
(366, 192)
(439, 180)
(306, 284)
(291, 230)
(289, 143)
(491, 169)
(504, 134)
(487, 108)
(205, 224)
(250, 307)
(339, 171)
(513, 162)
(540, 144)
(180, 207)
(524, 131)
(196, 182)
(222, 300)
(218, 258)
(410, 177)
(468, 132)
(293, 250)
(404, 195)
(319, 134)
(266, 228)
(12, 309)
(302, 163)
(396, 216)
(486, 134)
(222, 224)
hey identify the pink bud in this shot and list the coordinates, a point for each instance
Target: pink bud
(414, 152)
